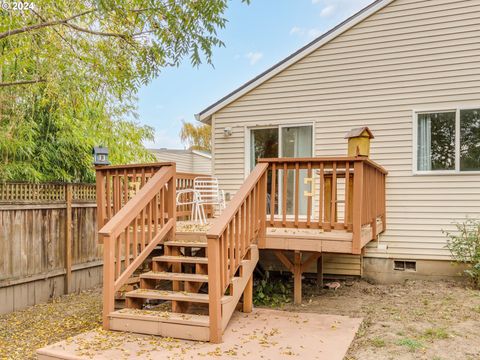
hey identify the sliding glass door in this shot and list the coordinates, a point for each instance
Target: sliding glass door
(284, 141)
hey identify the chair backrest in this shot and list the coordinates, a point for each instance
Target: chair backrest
(208, 190)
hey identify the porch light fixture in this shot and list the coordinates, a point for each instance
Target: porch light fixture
(100, 156)
(227, 132)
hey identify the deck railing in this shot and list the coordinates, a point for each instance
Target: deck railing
(137, 226)
(339, 193)
(240, 225)
(116, 185)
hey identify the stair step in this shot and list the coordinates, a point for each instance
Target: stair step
(182, 326)
(174, 276)
(194, 244)
(181, 259)
(163, 316)
(172, 296)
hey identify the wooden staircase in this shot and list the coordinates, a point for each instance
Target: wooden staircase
(173, 298)
(193, 288)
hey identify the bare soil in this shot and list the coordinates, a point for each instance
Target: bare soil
(413, 320)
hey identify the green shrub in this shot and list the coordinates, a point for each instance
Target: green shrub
(464, 245)
(271, 292)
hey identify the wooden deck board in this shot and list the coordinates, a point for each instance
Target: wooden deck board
(300, 239)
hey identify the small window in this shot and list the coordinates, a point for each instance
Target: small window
(448, 141)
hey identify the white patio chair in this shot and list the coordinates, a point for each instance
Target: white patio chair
(209, 193)
(197, 214)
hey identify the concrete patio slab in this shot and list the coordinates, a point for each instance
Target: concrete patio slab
(262, 334)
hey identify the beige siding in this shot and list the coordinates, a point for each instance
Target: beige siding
(183, 161)
(187, 161)
(411, 55)
(202, 164)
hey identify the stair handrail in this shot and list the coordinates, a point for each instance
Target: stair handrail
(240, 225)
(150, 213)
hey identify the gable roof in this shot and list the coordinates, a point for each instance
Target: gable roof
(359, 132)
(206, 114)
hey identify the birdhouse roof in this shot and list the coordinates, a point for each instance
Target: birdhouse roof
(361, 131)
(100, 149)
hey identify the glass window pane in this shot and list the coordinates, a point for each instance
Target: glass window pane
(470, 140)
(264, 144)
(296, 143)
(436, 141)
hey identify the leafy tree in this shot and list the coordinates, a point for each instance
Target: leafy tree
(197, 137)
(70, 70)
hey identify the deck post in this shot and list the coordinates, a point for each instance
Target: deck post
(171, 199)
(297, 278)
(108, 279)
(101, 205)
(263, 211)
(357, 207)
(214, 290)
(320, 272)
(248, 296)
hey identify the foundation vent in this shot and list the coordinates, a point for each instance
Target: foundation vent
(404, 265)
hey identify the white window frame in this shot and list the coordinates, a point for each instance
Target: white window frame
(248, 133)
(457, 170)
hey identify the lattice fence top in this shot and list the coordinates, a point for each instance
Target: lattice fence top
(84, 192)
(45, 192)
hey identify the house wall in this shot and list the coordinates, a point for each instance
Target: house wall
(183, 160)
(411, 55)
(202, 164)
(188, 162)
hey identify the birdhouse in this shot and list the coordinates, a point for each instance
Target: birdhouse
(359, 141)
(100, 156)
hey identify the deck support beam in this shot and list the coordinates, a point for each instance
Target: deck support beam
(320, 272)
(297, 278)
(297, 268)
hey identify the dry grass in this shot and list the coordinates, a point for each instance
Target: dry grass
(23, 332)
(415, 320)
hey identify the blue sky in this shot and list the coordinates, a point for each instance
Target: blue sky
(256, 36)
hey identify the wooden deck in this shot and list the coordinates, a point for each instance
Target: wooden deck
(192, 265)
(295, 239)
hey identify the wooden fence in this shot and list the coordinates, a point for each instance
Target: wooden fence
(47, 231)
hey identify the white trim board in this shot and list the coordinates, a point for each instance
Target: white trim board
(205, 115)
(456, 110)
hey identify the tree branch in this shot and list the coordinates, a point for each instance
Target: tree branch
(93, 32)
(21, 82)
(42, 25)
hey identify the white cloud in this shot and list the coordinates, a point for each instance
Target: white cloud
(254, 57)
(327, 11)
(316, 1)
(297, 30)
